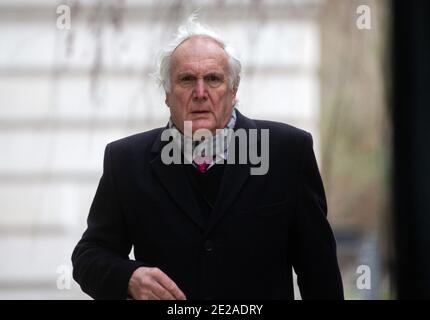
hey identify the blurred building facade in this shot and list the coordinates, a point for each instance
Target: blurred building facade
(65, 94)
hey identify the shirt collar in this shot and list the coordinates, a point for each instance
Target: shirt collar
(219, 148)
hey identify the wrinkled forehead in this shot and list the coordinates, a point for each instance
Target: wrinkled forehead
(198, 49)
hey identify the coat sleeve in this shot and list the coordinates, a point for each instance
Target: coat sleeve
(100, 260)
(314, 246)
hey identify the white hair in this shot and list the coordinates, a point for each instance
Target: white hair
(191, 29)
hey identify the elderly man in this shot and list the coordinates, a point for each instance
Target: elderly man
(207, 228)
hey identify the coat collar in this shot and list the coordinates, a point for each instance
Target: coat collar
(174, 179)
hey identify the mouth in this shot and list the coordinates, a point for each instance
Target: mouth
(200, 111)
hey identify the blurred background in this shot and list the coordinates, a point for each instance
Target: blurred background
(66, 92)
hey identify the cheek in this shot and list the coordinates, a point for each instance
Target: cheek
(225, 100)
(220, 98)
(174, 99)
(181, 98)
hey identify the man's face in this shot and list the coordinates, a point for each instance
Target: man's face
(199, 85)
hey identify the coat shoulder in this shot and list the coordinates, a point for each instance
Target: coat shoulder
(140, 142)
(283, 133)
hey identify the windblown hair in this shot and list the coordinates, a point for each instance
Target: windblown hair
(190, 29)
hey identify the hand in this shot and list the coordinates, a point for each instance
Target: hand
(153, 284)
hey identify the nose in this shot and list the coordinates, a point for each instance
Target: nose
(199, 92)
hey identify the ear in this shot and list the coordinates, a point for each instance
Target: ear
(233, 101)
(233, 97)
(166, 100)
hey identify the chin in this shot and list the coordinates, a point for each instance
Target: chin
(203, 124)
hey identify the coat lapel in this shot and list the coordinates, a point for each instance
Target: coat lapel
(174, 180)
(234, 177)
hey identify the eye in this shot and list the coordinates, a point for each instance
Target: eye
(214, 79)
(186, 78)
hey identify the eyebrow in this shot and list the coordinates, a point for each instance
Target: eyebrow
(190, 73)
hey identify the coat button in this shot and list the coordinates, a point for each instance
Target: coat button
(208, 246)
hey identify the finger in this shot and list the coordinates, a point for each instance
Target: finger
(171, 286)
(168, 284)
(150, 295)
(146, 294)
(161, 292)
